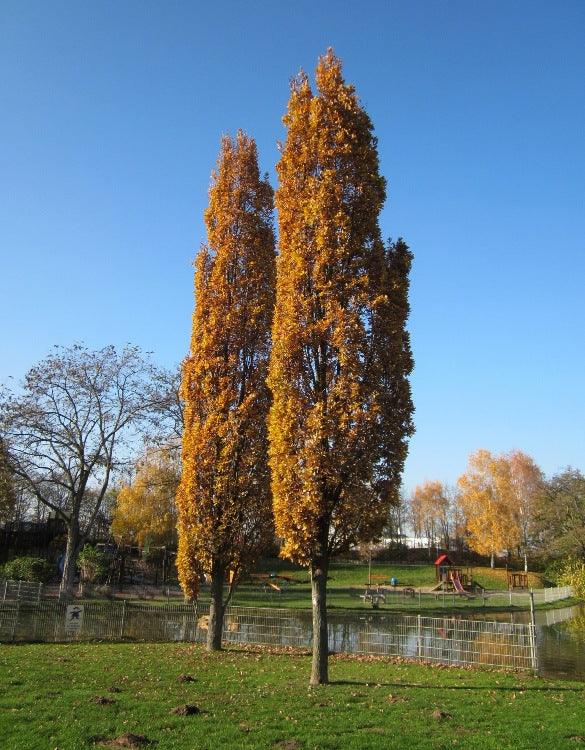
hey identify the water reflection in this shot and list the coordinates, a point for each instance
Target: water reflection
(560, 638)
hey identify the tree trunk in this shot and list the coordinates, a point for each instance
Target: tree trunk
(216, 608)
(70, 562)
(319, 668)
(492, 561)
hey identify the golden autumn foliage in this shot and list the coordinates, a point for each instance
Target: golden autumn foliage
(342, 408)
(341, 412)
(489, 504)
(223, 498)
(145, 512)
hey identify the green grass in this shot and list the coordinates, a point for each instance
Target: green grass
(348, 581)
(255, 699)
(343, 575)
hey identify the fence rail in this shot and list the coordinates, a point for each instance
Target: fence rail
(26, 591)
(448, 640)
(522, 598)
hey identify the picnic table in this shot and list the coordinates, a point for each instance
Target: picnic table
(373, 596)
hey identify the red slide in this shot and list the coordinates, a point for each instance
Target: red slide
(458, 585)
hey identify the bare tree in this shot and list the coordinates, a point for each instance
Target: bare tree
(70, 430)
(8, 493)
(167, 416)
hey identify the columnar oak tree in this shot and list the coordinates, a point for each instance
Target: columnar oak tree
(223, 497)
(341, 412)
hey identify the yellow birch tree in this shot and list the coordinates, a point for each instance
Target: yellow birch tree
(487, 500)
(145, 512)
(342, 408)
(224, 494)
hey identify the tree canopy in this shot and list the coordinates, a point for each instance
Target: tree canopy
(223, 498)
(145, 512)
(341, 413)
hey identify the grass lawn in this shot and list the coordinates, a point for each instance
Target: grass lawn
(52, 698)
(347, 581)
(343, 575)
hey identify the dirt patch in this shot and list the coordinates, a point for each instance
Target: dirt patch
(102, 700)
(287, 745)
(188, 709)
(186, 678)
(440, 715)
(128, 740)
(114, 689)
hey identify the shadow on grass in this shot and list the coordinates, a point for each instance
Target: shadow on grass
(494, 688)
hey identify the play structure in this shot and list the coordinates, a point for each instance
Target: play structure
(451, 577)
(270, 582)
(517, 579)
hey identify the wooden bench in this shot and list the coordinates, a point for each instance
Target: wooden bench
(377, 580)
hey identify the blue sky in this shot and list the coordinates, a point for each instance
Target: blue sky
(111, 119)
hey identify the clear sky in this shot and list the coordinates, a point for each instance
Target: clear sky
(111, 114)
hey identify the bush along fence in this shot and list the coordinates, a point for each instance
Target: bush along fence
(448, 640)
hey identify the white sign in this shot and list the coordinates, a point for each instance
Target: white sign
(73, 619)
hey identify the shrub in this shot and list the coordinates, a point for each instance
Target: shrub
(35, 569)
(554, 570)
(93, 563)
(573, 574)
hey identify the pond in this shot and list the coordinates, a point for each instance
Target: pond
(560, 638)
(560, 635)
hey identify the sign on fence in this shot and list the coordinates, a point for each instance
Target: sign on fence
(73, 619)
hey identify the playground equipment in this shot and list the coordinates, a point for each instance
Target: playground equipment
(457, 585)
(451, 577)
(375, 597)
(517, 579)
(270, 582)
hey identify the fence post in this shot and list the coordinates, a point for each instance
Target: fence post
(533, 654)
(419, 638)
(510, 596)
(123, 618)
(15, 621)
(5, 590)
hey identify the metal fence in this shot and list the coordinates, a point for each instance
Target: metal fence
(448, 640)
(522, 598)
(25, 591)
(452, 640)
